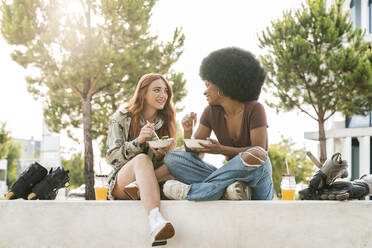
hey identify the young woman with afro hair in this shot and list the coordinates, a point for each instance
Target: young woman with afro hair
(233, 78)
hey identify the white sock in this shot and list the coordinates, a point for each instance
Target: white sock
(154, 212)
(155, 217)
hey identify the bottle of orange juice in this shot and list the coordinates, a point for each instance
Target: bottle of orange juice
(101, 187)
(288, 186)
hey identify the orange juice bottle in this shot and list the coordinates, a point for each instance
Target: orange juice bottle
(100, 187)
(288, 186)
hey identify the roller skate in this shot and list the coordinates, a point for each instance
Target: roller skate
(28, 178)
(48, 188)
(344, 190)
(332, 169)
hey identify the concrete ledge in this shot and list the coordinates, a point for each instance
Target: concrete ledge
(214, 224)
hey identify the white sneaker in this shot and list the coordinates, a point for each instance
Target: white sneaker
(132, 191)
(237, 191)
(160, 228)
(175, 190)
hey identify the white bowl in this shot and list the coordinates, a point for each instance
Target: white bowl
(194, 143)
(160, 143)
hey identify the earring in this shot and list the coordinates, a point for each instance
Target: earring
(219, 93)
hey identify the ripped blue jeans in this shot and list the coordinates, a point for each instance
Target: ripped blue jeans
(209, 183)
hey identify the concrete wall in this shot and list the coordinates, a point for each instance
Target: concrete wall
(214, 224)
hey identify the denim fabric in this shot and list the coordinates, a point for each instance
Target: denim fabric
(209, 183)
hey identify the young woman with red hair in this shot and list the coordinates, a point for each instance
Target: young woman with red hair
(137, 167)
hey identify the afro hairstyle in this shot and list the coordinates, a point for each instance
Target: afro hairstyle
(236, 72)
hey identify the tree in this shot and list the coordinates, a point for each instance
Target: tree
(15, 152)
(76, 167)
(11, 151)
(317, 63)
(298, 165)
(5, 141)
(85, 58)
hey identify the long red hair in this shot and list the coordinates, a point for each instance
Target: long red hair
(137, 103)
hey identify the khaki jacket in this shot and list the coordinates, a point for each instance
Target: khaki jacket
(120, 148)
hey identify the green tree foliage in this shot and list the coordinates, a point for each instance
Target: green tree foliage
(37, 153)
(85, 58)
(11, 151)
(179, 138)
(5, 141)
(76, 167)
(15, 152)
(298, 164)
(317, 63)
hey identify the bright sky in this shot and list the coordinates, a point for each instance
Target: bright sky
(208, 25)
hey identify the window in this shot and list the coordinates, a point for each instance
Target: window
(354, 158)
(370, 16)
(352, 11)
(355, 12)
(358, 121)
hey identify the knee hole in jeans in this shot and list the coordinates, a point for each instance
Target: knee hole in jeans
(254, 156)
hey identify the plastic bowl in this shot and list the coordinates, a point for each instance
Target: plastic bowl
(160, 143)
(194, 143)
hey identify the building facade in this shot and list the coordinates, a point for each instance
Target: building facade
(352, 136)
(46, 151)
(50, 155)
(29, 154)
